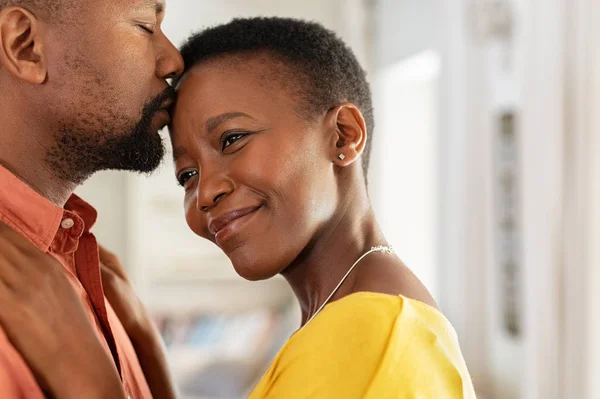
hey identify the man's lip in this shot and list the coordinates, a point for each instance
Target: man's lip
(166, 107)
(218, 224)
(163, 116)
(168, 103)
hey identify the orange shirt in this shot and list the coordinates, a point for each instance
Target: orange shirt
(65, 234)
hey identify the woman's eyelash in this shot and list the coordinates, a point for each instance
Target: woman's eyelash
(183, 177)
(231, 138)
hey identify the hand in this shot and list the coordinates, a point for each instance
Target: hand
(122, 297)
(134, 317)
(46, 322)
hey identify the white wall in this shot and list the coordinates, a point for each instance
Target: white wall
(593, 351)
(464, 201)
(489, 67)
(581, 326)
(542, 141)
(593, 362)
(406, 28)
(347, 18)
(557, 131)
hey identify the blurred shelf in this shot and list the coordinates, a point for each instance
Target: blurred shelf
(191, 267)
(222, 356)
(199, 397)
(218, 295)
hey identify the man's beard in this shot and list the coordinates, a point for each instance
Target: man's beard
(86, 147)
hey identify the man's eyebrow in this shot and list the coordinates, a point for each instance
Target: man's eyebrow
(157, 5)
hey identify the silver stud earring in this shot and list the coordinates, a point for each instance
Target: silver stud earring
(341, 157)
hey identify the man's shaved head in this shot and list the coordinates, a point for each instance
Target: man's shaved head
(52, 7)
(90, 91)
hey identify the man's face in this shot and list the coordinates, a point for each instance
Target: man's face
(107, 93)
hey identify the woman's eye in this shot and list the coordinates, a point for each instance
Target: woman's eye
(184, 177)
(230, 139)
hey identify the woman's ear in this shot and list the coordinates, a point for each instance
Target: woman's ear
(350, 135)
(21, 45)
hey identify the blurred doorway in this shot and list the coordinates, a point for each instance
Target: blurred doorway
(403, 179)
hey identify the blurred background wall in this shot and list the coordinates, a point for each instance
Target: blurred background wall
(485, 176)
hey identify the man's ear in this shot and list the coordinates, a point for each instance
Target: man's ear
(350, 133)
(21, 45)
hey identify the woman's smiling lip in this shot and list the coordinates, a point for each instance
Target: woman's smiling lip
(220, 224)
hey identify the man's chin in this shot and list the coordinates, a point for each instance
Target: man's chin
(149, 165)
(144, 154)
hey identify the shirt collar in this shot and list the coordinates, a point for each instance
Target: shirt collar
(29, 213)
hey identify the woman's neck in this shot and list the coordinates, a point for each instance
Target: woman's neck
(317, 271)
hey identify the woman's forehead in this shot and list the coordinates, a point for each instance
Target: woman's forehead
(209, 89)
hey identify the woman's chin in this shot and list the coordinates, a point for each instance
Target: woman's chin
(258, 263)
(254, 271)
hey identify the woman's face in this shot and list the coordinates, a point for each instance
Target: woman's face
(259, 180)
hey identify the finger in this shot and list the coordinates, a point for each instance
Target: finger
(105, 254)
(7, 303)
(111, 261)
(10, 272)
(49, 262)
(9, 236)
(109, 279)
(3, 294)
(108, 275)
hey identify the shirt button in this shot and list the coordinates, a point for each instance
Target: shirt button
(67, 223)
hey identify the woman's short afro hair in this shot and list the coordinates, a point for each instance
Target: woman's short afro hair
(325, 69)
